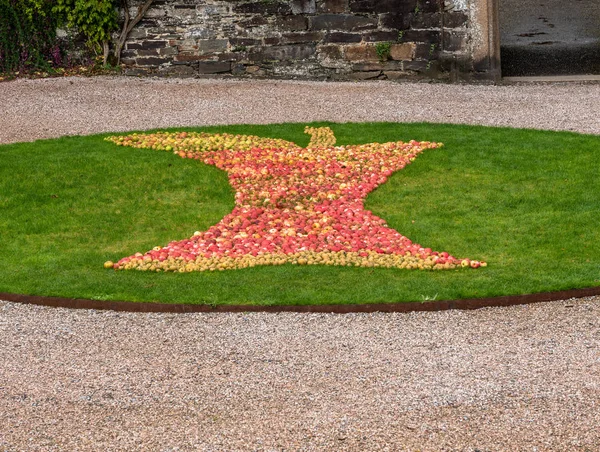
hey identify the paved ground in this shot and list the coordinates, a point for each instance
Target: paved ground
(550, 37)
(31, 109)
(512, 379)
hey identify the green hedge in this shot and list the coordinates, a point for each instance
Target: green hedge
(28, 38)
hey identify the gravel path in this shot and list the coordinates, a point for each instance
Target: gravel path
(31, 109)
(525, 378)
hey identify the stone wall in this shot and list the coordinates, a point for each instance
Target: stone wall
(319, 39)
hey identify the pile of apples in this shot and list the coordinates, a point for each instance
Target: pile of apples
(302, 206)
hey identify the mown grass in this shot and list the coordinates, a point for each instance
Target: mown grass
(525, 201)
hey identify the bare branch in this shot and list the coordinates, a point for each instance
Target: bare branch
(141, 12)
(129, 24)
(125, 6)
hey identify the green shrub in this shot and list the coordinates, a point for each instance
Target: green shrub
(28, 36)
(94, 19)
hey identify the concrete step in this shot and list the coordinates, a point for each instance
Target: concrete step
(550, 58)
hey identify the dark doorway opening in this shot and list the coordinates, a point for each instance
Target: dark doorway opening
(549, 37)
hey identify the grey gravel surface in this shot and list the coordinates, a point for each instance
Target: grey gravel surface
(524, 378)
(520, 379)
(31, 109)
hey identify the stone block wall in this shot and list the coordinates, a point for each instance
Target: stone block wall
(309, 39)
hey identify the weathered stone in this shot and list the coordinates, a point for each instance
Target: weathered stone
(429, 6)
(395, 21)
(454, 41)
(184, 12)
(338, 65)
(292, 23)
(263, 7)
(382, 6)
(149, 52)
(133, 45)
(244, 41)
(366, 67)
(233, 56)
(417, 66)
(149, 23)
(395, 75)
(252, 69)
(380, 36)
(425, 51)
(212, 45)
(187, 45)
(213, 67)
(238, 69)
(404, 51)
(377, 66)
(455, 19)
(427, 20)
(303, 6)
(272, 41)
(284, 53)
(211, 10)
(332, 52)
(331, 57)
(188, 58)
(167, 36)
(256, 21)
(342, 22)
(297, 38)
(168, 51)
(150, 61)
(453, 63)
(364, 75)
(430, 36)
(154, 44)
(361, 52)
(300, 38)
(342, 37)
(137, 71)
(177, 71)
(333, 6)
(137, 33)
(199, 33)
(129, 53)
(153, 13)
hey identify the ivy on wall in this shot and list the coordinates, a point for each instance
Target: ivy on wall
(94, 19)
(28, 36)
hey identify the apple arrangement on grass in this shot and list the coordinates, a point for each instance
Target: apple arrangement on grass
(295, 205)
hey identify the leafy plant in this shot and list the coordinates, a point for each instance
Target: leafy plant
(28, 36)
(95, 19)
(383, 50)
(432, 48)
(128, 25)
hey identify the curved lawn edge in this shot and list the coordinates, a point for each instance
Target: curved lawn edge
(71, 244)
(429, 306)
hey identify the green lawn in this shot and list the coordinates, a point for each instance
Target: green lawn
(527, 202)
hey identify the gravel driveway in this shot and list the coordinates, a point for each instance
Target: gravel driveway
(525, 378)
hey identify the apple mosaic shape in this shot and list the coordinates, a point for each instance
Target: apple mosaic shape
(292, 205)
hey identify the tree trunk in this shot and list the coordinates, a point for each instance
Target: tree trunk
(128, 25)
(106, 49)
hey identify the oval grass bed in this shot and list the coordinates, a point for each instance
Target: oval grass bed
(527, 202)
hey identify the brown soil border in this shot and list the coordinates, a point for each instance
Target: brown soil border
(442, 305)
